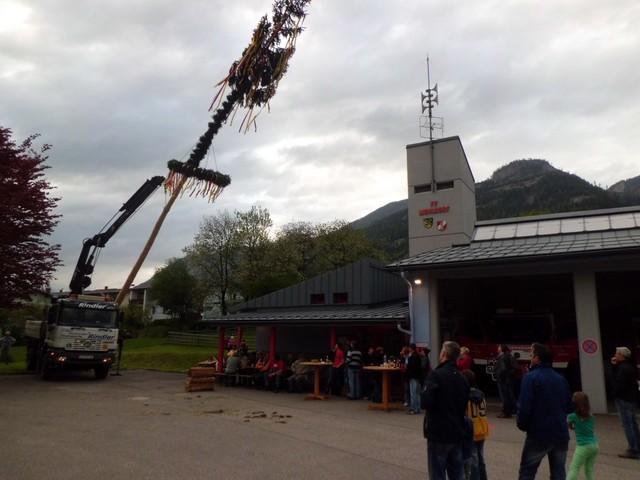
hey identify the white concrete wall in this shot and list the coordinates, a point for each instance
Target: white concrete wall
(455, 206)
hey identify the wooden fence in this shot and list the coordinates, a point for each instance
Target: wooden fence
(206, 339)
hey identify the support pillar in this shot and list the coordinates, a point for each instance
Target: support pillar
(333, 338)
(220, 349)
(423, 308)
(589, 341)
(239, 334)
(272, 344)
(435, 340)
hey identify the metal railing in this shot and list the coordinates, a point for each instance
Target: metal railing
(185, 338)
(203, 339)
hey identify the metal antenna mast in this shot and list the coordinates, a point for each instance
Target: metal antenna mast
(429, 97)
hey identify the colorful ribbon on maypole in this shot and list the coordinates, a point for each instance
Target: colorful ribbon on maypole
(253, 81)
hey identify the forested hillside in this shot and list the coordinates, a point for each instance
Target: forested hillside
(520, 188)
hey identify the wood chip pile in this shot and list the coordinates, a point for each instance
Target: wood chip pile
(200, 379)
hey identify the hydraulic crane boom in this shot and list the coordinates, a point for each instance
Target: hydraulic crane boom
(81, 278)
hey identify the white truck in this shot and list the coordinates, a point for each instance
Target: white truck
(75, 334)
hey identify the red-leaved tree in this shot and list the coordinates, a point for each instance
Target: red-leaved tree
(27, 260)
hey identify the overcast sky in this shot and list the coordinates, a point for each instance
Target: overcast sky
(120, 87)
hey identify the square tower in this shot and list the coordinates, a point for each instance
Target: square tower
(442, 199)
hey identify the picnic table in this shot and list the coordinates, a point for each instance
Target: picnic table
(385, 370)
(317, 366)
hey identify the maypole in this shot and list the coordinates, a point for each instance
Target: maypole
(252, 81)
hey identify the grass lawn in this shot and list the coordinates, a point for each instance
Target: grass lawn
(18, 363)
(157, 354)
(139, 353)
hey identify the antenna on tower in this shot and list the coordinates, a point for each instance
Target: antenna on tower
(429, 123)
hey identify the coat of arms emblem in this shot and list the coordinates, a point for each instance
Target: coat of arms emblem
(427, 222)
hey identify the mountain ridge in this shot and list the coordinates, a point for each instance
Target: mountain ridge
(520, 188)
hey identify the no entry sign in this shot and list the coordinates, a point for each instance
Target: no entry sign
(590, 346)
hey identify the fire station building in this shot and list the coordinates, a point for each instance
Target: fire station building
(569, 280)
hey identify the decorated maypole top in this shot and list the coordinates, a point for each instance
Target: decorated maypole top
(251, 82)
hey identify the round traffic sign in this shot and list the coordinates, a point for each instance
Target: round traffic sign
(590, 346)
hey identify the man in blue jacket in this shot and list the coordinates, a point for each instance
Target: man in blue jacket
(444, 398)
(545, 401)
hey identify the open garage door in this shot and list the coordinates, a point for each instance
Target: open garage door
(619, 311)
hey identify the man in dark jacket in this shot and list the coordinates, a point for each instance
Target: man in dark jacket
(506, 367)
(445, 400)
(414, 374)
(545, 401)
(625, 394)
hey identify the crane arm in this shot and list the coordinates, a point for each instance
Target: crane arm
(81, 278)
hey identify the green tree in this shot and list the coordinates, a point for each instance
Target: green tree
(214, 255)
(340, 244)
(252, 240)
(135, 318)
(176, 289)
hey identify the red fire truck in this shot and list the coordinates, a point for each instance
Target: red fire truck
(519, 331)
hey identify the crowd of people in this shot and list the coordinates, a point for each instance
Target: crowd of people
(346, 377)
(456, 427)
(455, 422)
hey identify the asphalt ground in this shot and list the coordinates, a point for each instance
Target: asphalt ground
(142, 425)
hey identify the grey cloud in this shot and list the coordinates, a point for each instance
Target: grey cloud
(121, 87)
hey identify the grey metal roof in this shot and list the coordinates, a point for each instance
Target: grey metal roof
(364, 282)
(610, 219)
(552, 216)
(534, 248)
(362, 315)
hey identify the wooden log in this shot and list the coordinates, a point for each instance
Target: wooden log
(199, 387)
(196, 372)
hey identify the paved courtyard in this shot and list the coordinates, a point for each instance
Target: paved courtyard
(143, 425)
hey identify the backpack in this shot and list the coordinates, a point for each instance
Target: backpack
(478, 418)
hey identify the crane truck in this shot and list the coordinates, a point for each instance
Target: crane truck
(81, 332)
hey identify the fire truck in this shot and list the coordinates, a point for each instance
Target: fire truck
(518, 332)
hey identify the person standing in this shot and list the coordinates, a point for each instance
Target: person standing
(5, 347)
(337, 370)
(414, 375)
(506, 367)
(543, 406)
(582, 422)
(354, 370)
(465, 362)
(625, 394)
(444, 399)
(475, 468)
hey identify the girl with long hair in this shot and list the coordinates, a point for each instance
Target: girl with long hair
(583, 423)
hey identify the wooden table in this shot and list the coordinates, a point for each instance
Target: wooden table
(317, 366)
(386, 405)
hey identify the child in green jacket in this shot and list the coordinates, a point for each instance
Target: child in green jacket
(583, 423)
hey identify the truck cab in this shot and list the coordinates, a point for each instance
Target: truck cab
(75, 334)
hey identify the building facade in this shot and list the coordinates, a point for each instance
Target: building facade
(568, 280)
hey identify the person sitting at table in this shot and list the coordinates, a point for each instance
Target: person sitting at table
(273, 377)
(232, 368)
(299, 378)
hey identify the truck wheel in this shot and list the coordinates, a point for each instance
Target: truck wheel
(32, 358)
(101, 372)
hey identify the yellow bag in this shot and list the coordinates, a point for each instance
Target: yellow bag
(478, 415)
